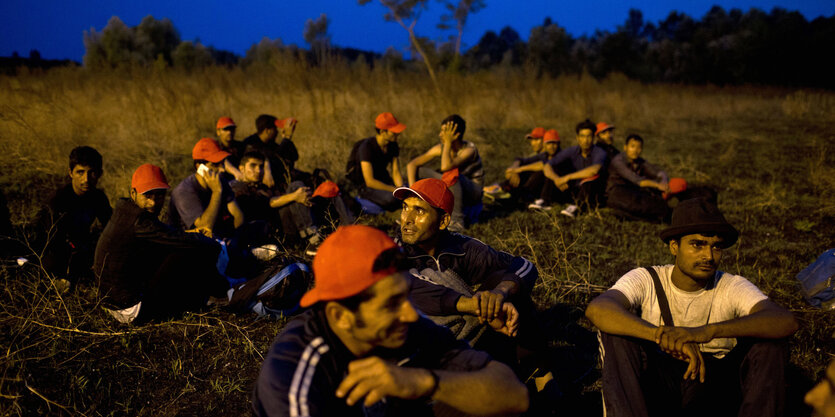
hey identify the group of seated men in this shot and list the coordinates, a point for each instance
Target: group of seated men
(392, 322)
(590, 174)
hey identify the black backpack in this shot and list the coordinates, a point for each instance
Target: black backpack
(275, 292)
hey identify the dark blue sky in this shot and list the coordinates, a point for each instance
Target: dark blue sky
(55, 27)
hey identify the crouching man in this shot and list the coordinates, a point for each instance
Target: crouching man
(362, 349)
(149, 270)
(716, 330)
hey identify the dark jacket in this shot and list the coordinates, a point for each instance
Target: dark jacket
(307, 362)
(477, 264)
(134, 246)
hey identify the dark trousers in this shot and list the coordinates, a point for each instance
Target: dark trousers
(640, 380)
(530, 186)
(639, 202)
(381, 198)
(296, 219)
(586, 195)
(183, 282)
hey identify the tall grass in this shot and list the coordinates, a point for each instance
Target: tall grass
(768, 151)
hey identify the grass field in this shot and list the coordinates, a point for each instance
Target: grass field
(768, 151)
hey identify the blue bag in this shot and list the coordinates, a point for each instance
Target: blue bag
(817, 281)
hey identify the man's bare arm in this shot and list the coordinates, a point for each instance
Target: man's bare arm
(766, 320)
(414, 165)
(370, 181)
(610, 313)
(489, 391)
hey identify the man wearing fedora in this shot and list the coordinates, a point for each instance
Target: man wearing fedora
(686, 338)
(363, 350)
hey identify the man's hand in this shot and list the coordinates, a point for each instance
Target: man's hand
(489, 304)
(448, 133)
(374, 379)
(213, 181)
(507, 322)
(695, 363)
(205, 231)
(674, 338)
(561, 183)
(288, 129)
(301, 196)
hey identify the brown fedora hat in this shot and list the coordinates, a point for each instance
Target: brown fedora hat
(699, 216)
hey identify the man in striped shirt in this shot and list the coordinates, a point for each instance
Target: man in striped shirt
(363, 350)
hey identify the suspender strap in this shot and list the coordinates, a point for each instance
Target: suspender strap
(662, 297)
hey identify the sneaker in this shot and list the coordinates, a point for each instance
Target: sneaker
(265, 253)
(571, 210)
(539, 204)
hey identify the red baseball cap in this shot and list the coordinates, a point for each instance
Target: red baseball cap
(386, 121)
(280, 123)
(431, 190)
(147, 178)
(327, 189)
(225, 121)
(602, 127)
(344, 263)
(551, 136)
(536, 133)
(208, 150)
(677, 185)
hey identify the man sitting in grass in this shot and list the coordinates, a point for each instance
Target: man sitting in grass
(635, 186)
(496, 282)
(454, 153)
(362, 349)
(277, 164)
(606, 139)
(373, 165)
(717, 330)
(72, 220)
(291, 211)
(581, 187)
(147, 269)
(225, 130)
(531, 168)
(204, 200)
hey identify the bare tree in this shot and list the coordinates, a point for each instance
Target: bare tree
(459, 13)
(316, 35)
(406, 14)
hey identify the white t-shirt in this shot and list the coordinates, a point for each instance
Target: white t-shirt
(728, 297)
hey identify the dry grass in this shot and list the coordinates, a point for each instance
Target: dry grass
(768, 152)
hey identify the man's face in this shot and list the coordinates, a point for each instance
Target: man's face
(253, 170)
(822, 397)
(552, 148)
(697, 256)
(226, 135)
(271, 133)
(607, 136)
(419, 221)
(388, 136)
(150, 201)
(84, 179)
(633, 149)
(536, 144)
(584, 139)
(383, 321)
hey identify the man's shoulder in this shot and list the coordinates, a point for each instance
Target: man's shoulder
(188, 184)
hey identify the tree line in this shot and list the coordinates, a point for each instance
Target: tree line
(723, 47)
